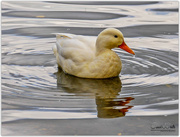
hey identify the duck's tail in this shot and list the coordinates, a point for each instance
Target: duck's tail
(54, 48)
(57, 47)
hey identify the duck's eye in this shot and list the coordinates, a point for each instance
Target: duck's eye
(115, 36)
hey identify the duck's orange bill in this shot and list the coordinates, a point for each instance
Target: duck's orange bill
(126, 48)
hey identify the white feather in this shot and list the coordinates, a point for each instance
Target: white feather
(71, 49)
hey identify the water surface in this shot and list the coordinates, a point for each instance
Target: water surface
(39, 99)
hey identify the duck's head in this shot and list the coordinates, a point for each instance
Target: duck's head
(112, 38)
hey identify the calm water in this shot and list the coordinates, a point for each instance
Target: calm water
(39, 99)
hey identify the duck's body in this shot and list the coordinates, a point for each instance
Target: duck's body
(88, 57)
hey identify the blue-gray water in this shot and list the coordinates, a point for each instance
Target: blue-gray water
(39, 99)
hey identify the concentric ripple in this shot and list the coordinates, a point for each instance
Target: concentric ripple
(34, 88)
(57, 94)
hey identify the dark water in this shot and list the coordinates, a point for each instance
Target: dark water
(39, 99)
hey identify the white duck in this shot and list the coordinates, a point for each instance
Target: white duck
(88, 57)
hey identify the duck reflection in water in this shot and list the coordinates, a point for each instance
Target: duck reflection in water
(106, 93)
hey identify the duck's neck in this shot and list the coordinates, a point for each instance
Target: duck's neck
(100, 47)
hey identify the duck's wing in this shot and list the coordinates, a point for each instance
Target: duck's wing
(74, 49)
